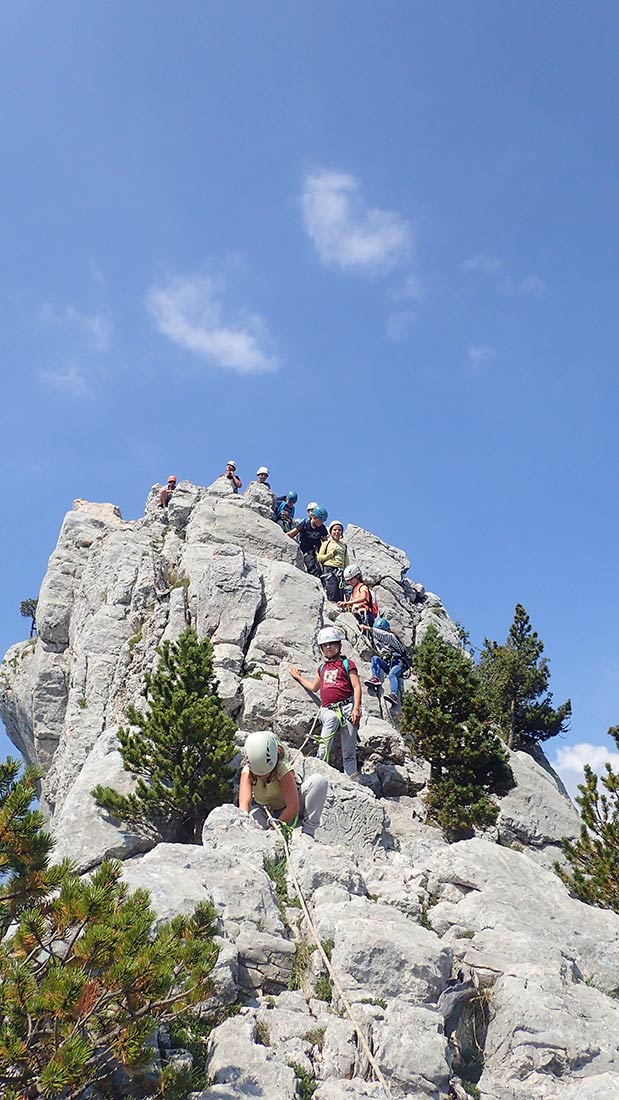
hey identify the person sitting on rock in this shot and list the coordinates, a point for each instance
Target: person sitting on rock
(312, 532)
(360, 601)
(332, 555)
(268, 786)
(340, 699)
(284, 510)
(262, 474)
(165, 494)
(391, 657)
(232, 476)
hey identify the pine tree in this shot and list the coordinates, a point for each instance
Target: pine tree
(593, 859)
(28, 608)
(24, 845)
(446, 723)
(180, 750)
(515, 677)
(84, 977)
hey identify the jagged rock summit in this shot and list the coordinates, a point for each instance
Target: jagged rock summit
(465, 962)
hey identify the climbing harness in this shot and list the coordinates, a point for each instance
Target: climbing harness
(342, 718)
(327, 962)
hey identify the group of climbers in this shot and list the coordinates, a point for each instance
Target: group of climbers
(268, 787)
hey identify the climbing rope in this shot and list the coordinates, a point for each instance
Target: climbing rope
(285, 835)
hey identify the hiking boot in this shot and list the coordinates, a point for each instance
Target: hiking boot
(393, 699)
(356, 777)
(374, 682)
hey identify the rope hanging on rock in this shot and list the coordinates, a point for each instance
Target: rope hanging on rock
(327, 962)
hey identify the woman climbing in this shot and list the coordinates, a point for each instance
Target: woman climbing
(268, 783)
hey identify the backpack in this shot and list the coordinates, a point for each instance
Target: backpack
(373, 607)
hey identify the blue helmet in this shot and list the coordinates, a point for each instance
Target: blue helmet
(319, 513)
(292, 496)
(382, 624)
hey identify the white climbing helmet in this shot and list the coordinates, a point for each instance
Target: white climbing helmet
(261, 752)
(312, 504)
(262, 470)
(335, 523)
(232, 463)
(351, 571)
(328, 634)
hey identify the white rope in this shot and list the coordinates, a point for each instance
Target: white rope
(325, 958)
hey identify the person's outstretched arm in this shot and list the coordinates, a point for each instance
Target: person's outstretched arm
(309, 685)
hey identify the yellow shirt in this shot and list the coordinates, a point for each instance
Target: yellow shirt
(333, 553)
(270, 794)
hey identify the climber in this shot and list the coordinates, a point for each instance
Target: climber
(360, 602)
(284, 510)
(391, 657)
(268, 783)
(340, 699)
(332, 554)
(262, 474)
(232, 476)
(165, 494)
(312, 532)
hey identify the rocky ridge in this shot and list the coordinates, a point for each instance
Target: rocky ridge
(468, 959)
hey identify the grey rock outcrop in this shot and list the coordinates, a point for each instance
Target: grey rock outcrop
(449, 955)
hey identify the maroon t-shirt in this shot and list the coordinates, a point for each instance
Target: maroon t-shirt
(335, 685)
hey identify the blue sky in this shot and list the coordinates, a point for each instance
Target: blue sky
(372, 246)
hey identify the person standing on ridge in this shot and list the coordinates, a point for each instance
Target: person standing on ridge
(312, 532)
(332, 555)
(268, 786)
(340, 699)
(262, 474)
(232, 476)
(165, 494)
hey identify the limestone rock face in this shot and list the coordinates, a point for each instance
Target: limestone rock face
(443, 956)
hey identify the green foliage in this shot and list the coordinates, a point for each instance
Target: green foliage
(445, 721)
(302, 955)
(515, 678)
(28, 608)
(322, 989)
(315, 1036)
(306, 1082)
(84, 977)
(593, 858)
(180, 750)
(25, 875)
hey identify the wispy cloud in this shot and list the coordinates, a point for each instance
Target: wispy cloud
(483, 262)
(398, 325)
(345, 232)
(570, 761)
(187, 309)
(93, 330)
(485, 265)
(480, 355)
(71, 379)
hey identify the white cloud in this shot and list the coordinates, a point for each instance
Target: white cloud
(398, 324)
(570, 761)
(344, 231)
(93, 329)
(483, 262)
(479, 355)
(70, 379)
(531, 284)
(186, 310)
